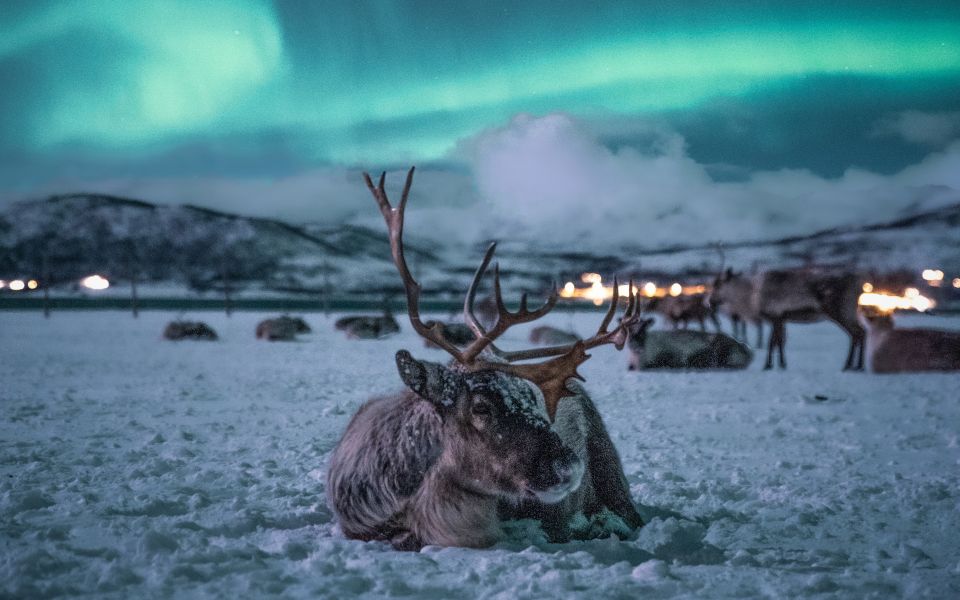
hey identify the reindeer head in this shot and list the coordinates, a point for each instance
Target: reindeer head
(497, 408)
(497, 431)
(873, 319)
(720, 290)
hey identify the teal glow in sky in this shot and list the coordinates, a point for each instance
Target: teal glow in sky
(131, 88)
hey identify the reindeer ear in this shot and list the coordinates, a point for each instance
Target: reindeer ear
(432, 382)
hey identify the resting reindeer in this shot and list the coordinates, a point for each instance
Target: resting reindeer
(892, 350)
(364, 327)
(801, 296)
(551, 335)
(189, 330)
(457, 334)
(482, 439)
(283, 328)
(684, 349)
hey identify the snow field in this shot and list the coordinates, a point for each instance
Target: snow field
(135, 467)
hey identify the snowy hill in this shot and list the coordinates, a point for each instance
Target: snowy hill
(188, 247)
(188, 250)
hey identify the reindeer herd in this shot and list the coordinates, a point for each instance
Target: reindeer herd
(496, 434)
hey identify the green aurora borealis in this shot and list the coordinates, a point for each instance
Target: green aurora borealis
(127, 88)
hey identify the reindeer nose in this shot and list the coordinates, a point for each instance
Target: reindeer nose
(564, 471)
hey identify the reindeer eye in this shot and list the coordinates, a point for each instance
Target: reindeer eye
(481, 409)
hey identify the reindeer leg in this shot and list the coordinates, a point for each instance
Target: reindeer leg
(782, 339)
(606, 471)
(703, 326)
(716, 322)
(863, 347)
(759, 333)
(771, 343)
(850, 353)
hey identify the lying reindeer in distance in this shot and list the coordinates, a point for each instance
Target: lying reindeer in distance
(680, 310)
(457, 334)
(546, 335)
(732, 295)
(284, 328)
(684, 349)
(365, 327)
(480, 440)
(891, 350)
(189, 330)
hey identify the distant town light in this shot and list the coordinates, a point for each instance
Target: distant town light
(95, 282)
(650, 289)
(17, 285)
(3, 284)
(32, 284)
(676, 289)
(956, 282)
(591, 278)
(868, 287)
(887, 303)
(932, 274)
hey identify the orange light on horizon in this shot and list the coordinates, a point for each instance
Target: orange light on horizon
(32, 284)
(868, 287)
(911, 299)
(598, 292)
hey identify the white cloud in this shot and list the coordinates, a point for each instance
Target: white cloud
(917, 127)
(550, 180)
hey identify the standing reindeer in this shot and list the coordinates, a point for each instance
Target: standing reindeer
(892, 350)
(732, 294)
(480, 440)
(802, 296)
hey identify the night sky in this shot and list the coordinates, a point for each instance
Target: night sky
(263, 107)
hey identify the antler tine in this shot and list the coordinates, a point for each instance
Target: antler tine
(505, 318)
(394, 220)
(406, 189)
(468, 315)
(613, 307)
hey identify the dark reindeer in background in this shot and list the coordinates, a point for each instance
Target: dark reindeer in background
(684, 349)
(483, 439)
(892, 350)
(189, 330)
(368, 327)
(281, 329)
(546, 335)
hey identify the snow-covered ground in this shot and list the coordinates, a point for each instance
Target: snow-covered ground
(133, 467)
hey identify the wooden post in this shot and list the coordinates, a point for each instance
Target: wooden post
(45, 282)
(227, 301)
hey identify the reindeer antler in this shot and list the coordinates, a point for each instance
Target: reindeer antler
(551, 375)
